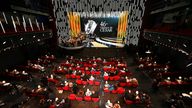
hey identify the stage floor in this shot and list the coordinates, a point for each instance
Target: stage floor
(105, 42)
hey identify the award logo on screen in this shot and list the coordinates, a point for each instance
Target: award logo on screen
(90, 27)
(104, 28)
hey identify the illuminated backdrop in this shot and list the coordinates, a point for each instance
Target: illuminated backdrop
(135, 10)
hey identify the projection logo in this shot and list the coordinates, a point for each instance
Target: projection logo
(90, 27)
(104, 28)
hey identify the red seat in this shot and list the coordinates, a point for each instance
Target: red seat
(116, 78)
(59, 88)
(73, 76)
(129, 102)
(134, 85)
(79, 98)
(111, 78)
(72, 97)
(114, 91)
(122, 84)
(97, 83)
(95, 99)
(65, 88)
(87, 98)
(78, 76)
(88, 72)
(52, 80)
(79, 82)
(52, 106)
(84, 82)
(120, 90)
(67, 76)
(97, 73)
(106, 77)
(90, 82)
(106, 90)
(129, 84)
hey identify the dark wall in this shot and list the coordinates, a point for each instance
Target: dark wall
(20, 55)
(177, 59)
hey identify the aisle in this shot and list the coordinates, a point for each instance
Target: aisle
(145, 83)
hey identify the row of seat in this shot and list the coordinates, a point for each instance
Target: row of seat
(85, 98)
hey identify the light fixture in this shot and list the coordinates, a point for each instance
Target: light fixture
(34, 36)
(21, 39)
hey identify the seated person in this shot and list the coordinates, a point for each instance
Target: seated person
(129, 96)
(112, 73)
(66, 83)
(59, 68)
(106, 74)
(108, 104)
(51, 76)
(91, 78)
(168, 80)
(74, 72)
(78, 66)
(88, 93)
(141, 66)
(92, 69)
(80, 93)
(117, 105)
(85, 78)
(79, 72)
(86, 69)
(95, 94)
(127, 79)
(40, 89)
(106, 84)
(122, 79)
(104, 61)
(179, 80)
(94, 64)
(70, 84)
(70, 70)
(124, 70)
(75, 88)
(134, 81)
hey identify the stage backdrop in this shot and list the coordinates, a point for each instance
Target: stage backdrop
(101, 27)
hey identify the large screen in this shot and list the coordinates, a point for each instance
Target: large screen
(101, 27)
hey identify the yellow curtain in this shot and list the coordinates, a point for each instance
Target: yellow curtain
(75, 25)
(122, 24)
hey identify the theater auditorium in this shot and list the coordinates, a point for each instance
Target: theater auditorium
(95, 54)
